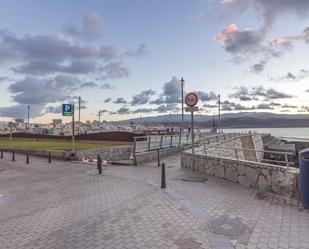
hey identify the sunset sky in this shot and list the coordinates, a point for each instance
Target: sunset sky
(125, 57)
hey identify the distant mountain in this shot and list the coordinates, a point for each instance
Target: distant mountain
(232, 120)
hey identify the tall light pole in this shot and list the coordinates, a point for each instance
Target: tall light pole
(182, 111)
(219, 114)
(79, 103)
(28, 107)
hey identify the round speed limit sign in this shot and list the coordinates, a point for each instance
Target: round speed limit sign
(191, 99)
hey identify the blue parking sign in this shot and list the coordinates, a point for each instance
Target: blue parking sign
(67, 109)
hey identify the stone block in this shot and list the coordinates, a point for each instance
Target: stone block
(219, 171)
(244, 180)
(263, 184)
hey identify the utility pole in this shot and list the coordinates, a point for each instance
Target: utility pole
(182, 109)
(219, 114)
(79, 102)
(28, 107)
(11, 133)
(73, 129)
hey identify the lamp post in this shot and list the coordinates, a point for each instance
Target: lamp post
(182, 109)
(219, 114)
(28, 107)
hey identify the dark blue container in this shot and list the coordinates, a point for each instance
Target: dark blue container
(304, 176)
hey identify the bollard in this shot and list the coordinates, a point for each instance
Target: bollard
(100, 166)
(163, 180)
(158, 156)
(98, 161)
(13, 156)
(27, 158)
(1, 156)
(49, 157)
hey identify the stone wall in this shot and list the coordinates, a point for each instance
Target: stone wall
(265, 177)
(258, 145)
(116, 153)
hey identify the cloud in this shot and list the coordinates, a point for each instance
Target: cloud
(108, 52)
(258, 67)
(107, 100)
(237, 42)
(270, 9)
(36, 91)
(289, 106)
(123, 110)
(139, 52)
(210, 106)
(231, 106)
(20, 111)
(39, 93)
(53, 109)
(171, 93)
(143, 97)
(247, 44)
(115, 70)
(143, 110)
(255, 93)
(120, 101)
(89, 84)
(293, 77)
(4, 79)
(203, 96)
(107, 86)
(48, 67)
(171, 107)
(93, 26)
(243, 94)
(264, 106)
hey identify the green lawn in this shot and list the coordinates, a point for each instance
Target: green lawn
(51, 145)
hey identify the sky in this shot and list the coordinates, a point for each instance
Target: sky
(125, 59)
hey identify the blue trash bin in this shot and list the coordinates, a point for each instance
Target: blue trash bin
(304, 176)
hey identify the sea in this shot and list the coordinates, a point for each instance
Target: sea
(289, 133)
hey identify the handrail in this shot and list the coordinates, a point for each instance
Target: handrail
(267, 151)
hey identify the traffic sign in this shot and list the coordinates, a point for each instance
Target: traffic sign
(191, 109)
(67, 109)
(191, 99)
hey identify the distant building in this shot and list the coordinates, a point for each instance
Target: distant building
(57, 122)
(19, 121)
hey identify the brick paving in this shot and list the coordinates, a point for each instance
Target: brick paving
(68, 205)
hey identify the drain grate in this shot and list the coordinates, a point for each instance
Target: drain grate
(232, 228)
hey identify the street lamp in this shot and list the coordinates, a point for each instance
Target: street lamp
(28, 107)
(182, 112)
(219, 114)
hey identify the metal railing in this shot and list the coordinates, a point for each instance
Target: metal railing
(263, 156)
(155, 142)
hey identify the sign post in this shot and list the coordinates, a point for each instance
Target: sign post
(191, 100)
(68, 110)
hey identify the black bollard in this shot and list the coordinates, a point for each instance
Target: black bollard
(27, 158)
(163, 180)
(49, 157)
(98, 161)
(1, 156)
(13, 156)
(158, 156)
(100, 166)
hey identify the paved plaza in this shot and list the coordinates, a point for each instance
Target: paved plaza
(68, 205)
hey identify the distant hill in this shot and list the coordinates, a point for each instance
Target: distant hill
(233, 120)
